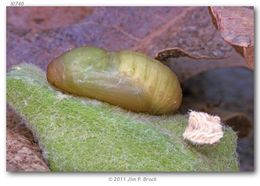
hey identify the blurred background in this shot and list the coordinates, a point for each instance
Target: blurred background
(218, 81)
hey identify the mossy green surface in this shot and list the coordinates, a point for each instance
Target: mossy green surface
(83, 135)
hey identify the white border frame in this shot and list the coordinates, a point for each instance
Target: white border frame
(100, 178)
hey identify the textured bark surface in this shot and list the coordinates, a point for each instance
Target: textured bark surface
(236, 26)
(37, 35)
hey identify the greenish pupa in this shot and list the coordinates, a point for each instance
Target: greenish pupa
(127, 79)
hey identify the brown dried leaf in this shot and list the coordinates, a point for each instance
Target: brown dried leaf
(148, 30)
(236, 25)
(44, 18)
(186, 66)
(177, 53)
(22, 152)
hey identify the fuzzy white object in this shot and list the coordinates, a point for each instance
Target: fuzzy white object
(203, 128)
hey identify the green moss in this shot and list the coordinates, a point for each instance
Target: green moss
(79, 134)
